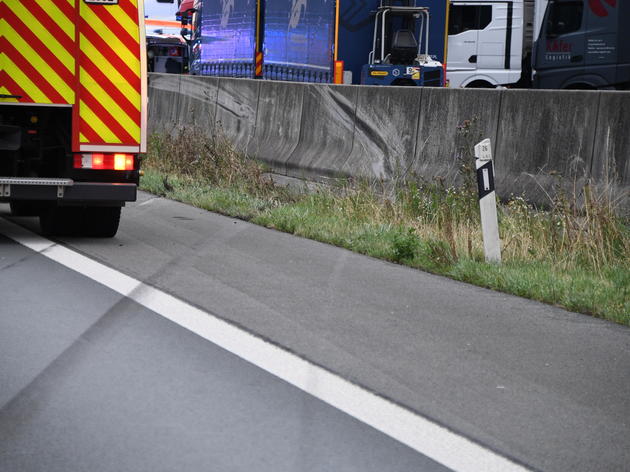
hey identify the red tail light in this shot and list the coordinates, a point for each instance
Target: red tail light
(174, 51)
(98, 161)
(104, 161)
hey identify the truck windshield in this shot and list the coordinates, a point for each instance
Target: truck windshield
(468, 17)
(564, 17)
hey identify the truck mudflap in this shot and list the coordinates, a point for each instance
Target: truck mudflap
(65, 190)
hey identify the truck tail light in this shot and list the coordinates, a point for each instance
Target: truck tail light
(99, 161)
(174, 51)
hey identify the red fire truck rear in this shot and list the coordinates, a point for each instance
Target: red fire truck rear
(72, 111)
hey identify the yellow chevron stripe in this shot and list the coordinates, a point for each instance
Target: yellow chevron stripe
(27, 85)
(5, 91)
(103, 64)
(97, 124)
(82, 138)
(127, 23)
(110, 38)
(51, 76)
(58, 16)
(42, 33)
(110, 104)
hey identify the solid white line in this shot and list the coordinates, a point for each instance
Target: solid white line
(440, 444)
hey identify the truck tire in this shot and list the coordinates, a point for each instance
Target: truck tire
(102, 222)
(480, 84)
(61, 221)
(25, 208)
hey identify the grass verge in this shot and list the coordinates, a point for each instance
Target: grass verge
(574, 256)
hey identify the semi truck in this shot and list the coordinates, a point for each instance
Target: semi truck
(388, 42)
(166, 53)
(72, 111)
(550, 44)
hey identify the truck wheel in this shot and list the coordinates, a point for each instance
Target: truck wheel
(102, 222)
(25, 208)
(480, 84)
(61, 221)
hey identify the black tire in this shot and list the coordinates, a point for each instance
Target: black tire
(61, 221)
(480, 84)
(25, 208)
(102, 222)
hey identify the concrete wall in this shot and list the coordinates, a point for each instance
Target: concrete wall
(544, 134)
(610, 165)
(385, 129)
(320, 131)
(163, 109)
(197, 101)
(281, 104)
(326, 132)
(237, 105)
(444, 134)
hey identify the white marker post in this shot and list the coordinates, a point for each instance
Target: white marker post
(487, 201)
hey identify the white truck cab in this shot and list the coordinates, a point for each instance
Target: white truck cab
(490, 42)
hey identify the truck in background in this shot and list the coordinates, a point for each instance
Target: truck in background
(397, 57)
(557, 44)
(167, 53)
(72, 111)
(316, 41)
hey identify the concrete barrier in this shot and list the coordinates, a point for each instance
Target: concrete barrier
(198, 102)
(326, 132)
(320, 131)
(611, 153)
(237, 103)
(163, 102)
(278, 123)
(386, 122)
(442, 132)
(544, 134)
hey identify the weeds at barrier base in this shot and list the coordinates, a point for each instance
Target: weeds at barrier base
(572, 255)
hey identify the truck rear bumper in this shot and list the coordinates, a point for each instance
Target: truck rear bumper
(65, 191)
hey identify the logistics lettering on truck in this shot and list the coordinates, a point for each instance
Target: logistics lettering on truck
(584, 45)
(72, 111)
(560, 44)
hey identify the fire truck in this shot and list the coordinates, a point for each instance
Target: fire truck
(72, 111)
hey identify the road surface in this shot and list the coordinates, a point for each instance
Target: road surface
(540, 386)
(92, 381)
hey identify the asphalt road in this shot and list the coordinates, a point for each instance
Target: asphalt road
(543, 386)
(91, 381)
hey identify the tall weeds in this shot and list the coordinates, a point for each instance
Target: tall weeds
(189, 152)
(575, 253)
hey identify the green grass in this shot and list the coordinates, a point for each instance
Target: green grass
(579, 260)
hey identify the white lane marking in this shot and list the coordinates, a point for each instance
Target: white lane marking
(437, 442)
(148, 202)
